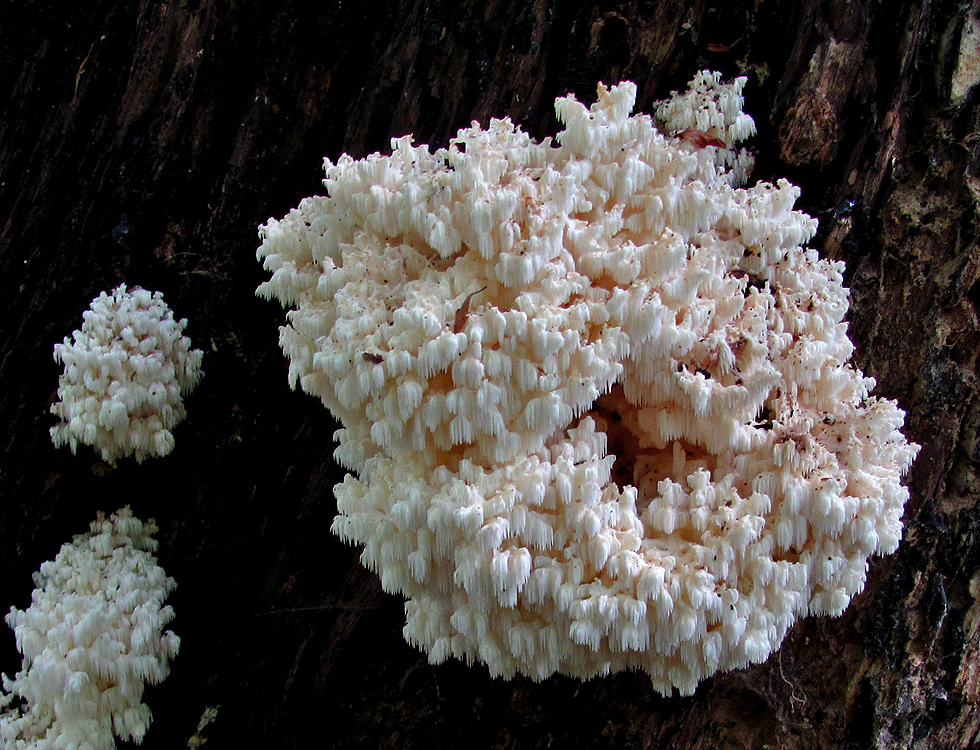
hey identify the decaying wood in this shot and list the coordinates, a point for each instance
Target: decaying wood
(144, 142)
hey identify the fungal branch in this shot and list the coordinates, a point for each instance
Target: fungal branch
(596, 397)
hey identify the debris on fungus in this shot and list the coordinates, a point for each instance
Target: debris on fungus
(597, 400)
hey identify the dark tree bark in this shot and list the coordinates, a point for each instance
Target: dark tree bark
(144, 142)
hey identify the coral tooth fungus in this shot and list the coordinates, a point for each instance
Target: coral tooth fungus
(596, 398)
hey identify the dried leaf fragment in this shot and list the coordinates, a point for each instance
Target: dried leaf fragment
(701, 139)
(464, 311)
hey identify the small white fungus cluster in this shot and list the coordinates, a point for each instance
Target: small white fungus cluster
(91, 639)
(125, 372)
(716, 110)
(596, 399)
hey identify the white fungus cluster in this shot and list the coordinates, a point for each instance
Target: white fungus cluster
(597, 400)
(716, 110)
(91, 639)
(125, 372)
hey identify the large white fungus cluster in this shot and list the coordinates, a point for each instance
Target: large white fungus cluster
(596, 399)
(91, 639)
(125, 372)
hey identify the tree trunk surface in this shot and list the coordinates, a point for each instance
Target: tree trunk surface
(143, 143)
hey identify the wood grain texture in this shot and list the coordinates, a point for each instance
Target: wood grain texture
(143, 142)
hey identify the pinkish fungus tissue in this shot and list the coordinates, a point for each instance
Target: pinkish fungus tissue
(596, 398)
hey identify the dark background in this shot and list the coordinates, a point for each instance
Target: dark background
(144, 142)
